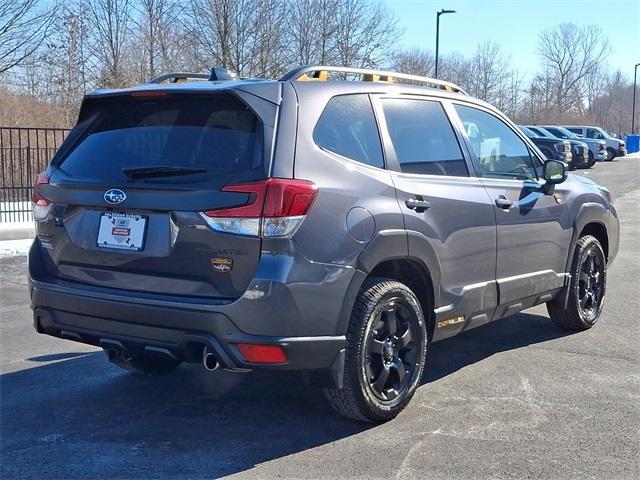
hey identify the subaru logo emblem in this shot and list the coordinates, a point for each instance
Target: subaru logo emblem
(114, 196)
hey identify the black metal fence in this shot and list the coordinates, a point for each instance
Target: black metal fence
(24, 152)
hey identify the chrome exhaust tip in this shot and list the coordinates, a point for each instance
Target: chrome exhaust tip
(209, 360)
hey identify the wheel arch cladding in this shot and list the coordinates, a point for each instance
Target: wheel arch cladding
(591, 218)
(387, 255)
(599, 231)
(417, 278)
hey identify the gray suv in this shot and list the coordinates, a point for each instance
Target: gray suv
(336, 221)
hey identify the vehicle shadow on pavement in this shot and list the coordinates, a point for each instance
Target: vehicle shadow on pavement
(84, 418)
(467, 348)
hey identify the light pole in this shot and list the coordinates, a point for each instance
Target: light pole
(441, 12)
(633, 109)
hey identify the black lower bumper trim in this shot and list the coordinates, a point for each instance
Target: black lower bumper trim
(303, 353)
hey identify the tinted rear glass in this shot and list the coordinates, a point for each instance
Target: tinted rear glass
(217, 133)
(348, 127)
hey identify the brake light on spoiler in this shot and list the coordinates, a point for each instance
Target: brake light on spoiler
(275, 208)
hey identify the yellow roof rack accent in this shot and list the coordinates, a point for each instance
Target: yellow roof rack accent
(320, 75)
(321, 72)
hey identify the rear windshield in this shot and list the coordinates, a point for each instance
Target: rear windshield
(213, 135)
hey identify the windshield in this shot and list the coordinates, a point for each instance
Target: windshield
(198, 137)
(529, 133)
(539, 131)
(561, 132)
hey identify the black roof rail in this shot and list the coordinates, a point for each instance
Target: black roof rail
(177, 77)
(218, 74)
(320, 72)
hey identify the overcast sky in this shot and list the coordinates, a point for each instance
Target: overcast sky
(515, 25)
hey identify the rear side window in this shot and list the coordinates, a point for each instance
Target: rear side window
(423, 138)
(215, 135)
(348, 127)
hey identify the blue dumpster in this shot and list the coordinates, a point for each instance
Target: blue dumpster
(633, 143)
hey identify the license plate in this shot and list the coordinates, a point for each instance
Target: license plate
(122, 231)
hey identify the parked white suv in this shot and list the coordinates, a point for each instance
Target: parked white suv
(615, 146)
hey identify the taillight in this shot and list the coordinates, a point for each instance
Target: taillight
(41, 205)
(275, 208)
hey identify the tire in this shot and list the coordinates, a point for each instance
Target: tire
(581, 313)
(612, 154)
(149, 366)
(592, 161)
(374, 389)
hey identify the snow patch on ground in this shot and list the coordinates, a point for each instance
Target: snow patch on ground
(10, 248)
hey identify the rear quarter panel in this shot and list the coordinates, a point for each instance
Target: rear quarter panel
(355, 201)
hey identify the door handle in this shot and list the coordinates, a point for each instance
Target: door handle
(503, 202)
(418, 204)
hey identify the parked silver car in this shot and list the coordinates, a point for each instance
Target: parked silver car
(615, 146)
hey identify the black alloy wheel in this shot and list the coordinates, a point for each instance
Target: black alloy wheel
(591, 283)
(385, 354)
(580, 304)
(390, 355)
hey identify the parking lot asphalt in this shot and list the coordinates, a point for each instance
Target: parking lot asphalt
(517, 398)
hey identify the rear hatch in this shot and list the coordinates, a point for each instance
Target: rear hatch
(128, 189)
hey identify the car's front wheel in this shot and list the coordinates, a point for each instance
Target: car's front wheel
(586, 289)
(611, 154)
(385, 354)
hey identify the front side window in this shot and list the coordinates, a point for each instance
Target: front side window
(595, 133)
(348, 127)
(423, 138)
(499, 152)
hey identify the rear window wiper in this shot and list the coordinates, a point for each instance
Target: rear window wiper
(160, 171)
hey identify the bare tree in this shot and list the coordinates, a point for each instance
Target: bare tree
(221, 30)
(364, 33)
(570, 53)
(455, 68)
(68, 65)
(311, 26)
(414, 61)
(152, 22)
(24, 25)
(489, 71)
(111, 21)
(270, 55)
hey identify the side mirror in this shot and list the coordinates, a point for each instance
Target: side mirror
(554, 172)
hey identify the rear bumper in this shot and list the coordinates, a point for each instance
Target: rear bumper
(278, 309)
(143, 329)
